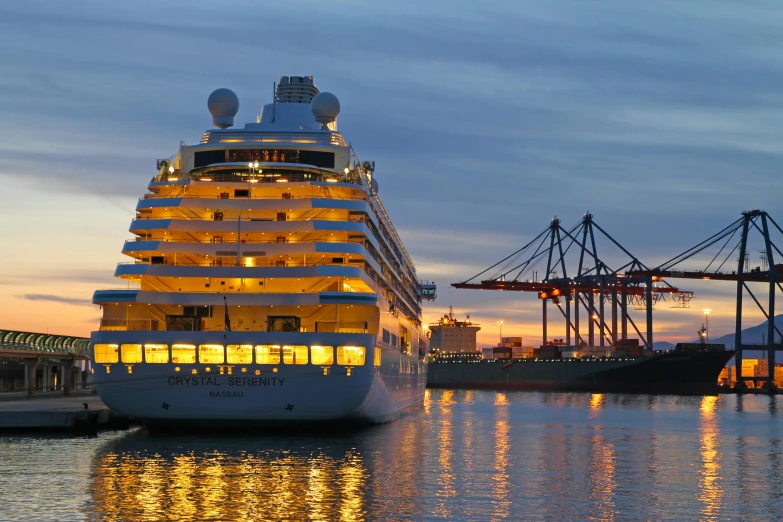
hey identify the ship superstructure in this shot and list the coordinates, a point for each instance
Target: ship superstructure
(454, 339)
(267, 282)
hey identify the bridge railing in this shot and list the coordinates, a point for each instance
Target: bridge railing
(14, 347)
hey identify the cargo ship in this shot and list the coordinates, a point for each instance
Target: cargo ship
(688, 369)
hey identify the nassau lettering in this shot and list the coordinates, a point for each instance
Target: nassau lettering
(226, 394)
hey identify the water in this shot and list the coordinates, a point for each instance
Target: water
(465, 456)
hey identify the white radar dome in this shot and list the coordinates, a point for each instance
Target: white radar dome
(223, 105)
(325, 108)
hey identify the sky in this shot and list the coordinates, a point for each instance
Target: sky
(486, 120)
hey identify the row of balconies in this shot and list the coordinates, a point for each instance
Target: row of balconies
(379, 231)
(400, 284)
(230, 261)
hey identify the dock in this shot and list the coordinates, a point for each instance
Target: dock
(79, 413)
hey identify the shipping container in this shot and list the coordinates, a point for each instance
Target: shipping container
(496, 352)
(524, 352)
(749, 367)
(761, 371)
(779, 375)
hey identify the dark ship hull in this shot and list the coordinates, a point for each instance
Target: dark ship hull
(677, 372)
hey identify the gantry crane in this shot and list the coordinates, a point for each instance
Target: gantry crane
(594, 283)
(769, 273)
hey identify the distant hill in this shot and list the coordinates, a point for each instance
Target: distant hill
(663, 345)
(749, 335)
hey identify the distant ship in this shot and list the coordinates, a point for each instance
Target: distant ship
(689, 369)
(270, 284)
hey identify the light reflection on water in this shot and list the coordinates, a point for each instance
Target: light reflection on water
(465, 456)
(710, 491)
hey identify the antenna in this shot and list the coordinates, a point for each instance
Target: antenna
(274, 101)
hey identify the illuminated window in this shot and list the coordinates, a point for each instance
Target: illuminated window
(322, 354)
(239, 353)
(183, 353)
(106, 353)
(295, 354)
(377, 360)
(131, 353)
(211, 353)
(268, 354)
(156, 353)
(350, 355)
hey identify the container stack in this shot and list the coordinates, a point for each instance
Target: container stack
(749, 367)
(779, 375)
(628, 347)
(524, 352)
(511, 342)
(762, 368)
(596, 351)
(496, 352)
(549, 352)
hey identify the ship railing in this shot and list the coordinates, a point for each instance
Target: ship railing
(214, 263)
(360, 327)
(268, 172)
(17, 347)
(122, 325)
(341, 326)
(229, 218)
(242, 289)
(260, 138)
(228, 242)
(314, 195)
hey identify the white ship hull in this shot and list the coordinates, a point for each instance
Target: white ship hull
(256, 252)
(171, 394)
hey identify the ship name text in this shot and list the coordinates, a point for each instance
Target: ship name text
(230, 381)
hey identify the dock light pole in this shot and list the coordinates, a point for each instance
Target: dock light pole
(500, 324)
(707, 321)
(254, 171)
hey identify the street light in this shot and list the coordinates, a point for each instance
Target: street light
(500, 323)
(254, 170)
(707, 320)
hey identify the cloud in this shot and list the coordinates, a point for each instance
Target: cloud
(77, 275)
(56, 299)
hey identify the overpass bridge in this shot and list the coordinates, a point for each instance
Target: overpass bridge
(50, 361)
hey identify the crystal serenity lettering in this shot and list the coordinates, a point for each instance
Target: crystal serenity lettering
(230, 381)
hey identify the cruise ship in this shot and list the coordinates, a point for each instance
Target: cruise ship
(266, 282)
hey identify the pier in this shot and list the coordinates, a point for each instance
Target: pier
(81, 413)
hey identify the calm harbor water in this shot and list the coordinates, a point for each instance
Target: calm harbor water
(465, 456)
